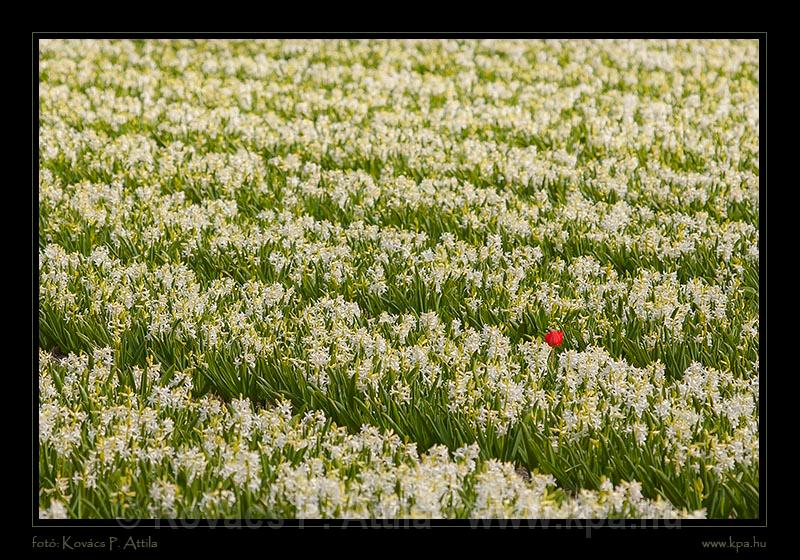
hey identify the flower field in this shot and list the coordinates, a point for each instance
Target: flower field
(395, 278)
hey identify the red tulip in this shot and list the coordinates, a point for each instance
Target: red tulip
(554, 338)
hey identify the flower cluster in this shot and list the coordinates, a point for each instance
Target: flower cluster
(245, 244)
(150, 450)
